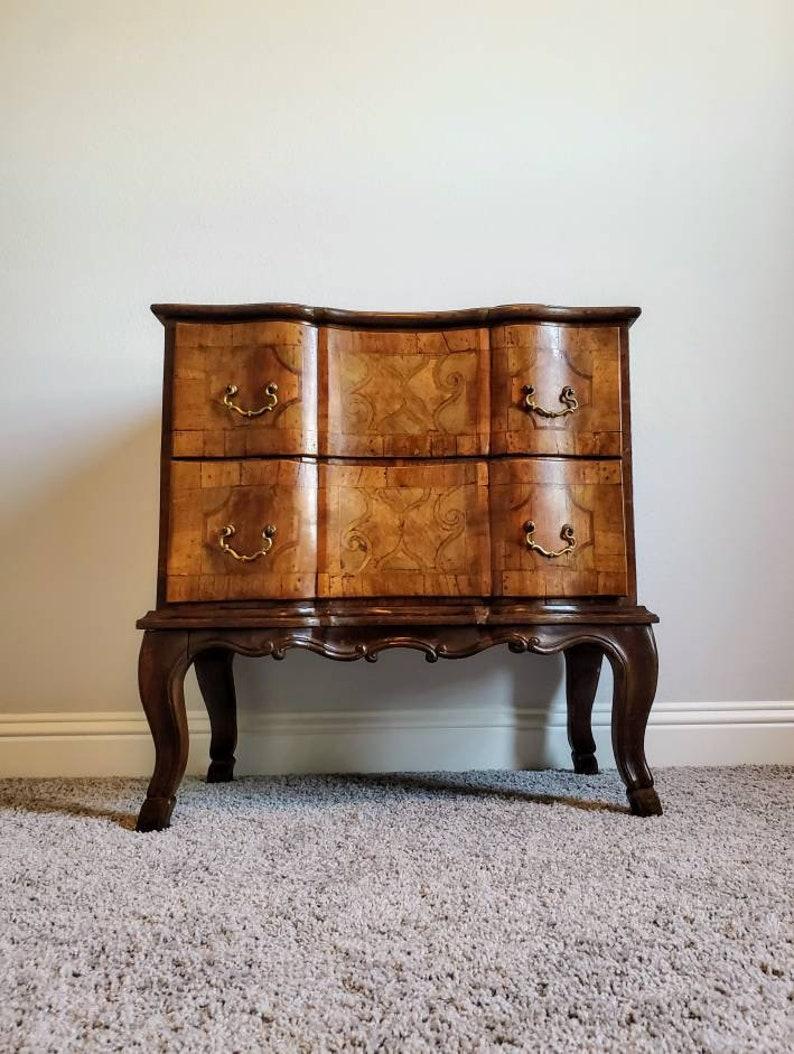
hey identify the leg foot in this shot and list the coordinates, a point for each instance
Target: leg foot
(161, 673)
(634, 665)
(584, 764)
(216, 681)
(155, 814)
(221, 772)
(582, 670)
(644, 802)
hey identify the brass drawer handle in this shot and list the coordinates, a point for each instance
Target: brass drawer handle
(270, 391)
(566, 534)
(567, 398)
(228, 531)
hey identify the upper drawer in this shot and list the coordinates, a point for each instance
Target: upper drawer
(400, 394)
(289, 388)
(273, 366)
(574, 375)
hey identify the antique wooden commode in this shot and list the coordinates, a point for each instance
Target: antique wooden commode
(348, 482)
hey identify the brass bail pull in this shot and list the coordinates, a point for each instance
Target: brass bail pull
(271, 392)
(566, 534)
(567, 398)
(229, 530)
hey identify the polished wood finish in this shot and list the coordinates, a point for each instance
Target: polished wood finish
(404, 394)
(399, 465)
(630, 650)
(249, 355)
(405, 320)
(551, 358)
(404, 529)
(249, 495)
(163, 662)
(216, 682)
(582, 672)
(552, 492)
(396, 612)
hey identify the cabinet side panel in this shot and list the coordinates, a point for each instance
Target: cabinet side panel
(628, 464)
(165, 461)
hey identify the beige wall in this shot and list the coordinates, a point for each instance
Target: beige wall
(396, 156)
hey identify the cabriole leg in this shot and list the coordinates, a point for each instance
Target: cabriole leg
(582, 670)
(216, 681)
(634, 666)
(162, 666)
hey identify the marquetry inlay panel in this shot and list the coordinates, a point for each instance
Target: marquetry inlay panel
(249, 495)
(415, 529)
(552, 358)
(249, 356)
(553, 492)
(420, 394)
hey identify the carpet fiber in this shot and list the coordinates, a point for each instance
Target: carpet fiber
(455, 912)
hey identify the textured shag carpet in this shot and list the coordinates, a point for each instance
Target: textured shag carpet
(452, 912)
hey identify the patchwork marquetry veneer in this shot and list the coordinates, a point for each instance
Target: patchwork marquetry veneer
(348, 482)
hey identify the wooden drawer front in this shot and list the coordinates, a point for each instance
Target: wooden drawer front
(552, 358)
(404, 530)
(208, 495)
(208, 358)
(552, 492)
(421, 394)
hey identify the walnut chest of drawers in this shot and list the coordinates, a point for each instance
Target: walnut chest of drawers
(348, 482)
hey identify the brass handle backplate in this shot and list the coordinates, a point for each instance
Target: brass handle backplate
(271, 391)
(228, 531)
(566, 534)
(567, 398)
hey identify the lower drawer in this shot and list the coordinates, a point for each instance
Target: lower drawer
(206, 561)
(404, 529)
(557, 528)
(290, 528)
(353, 528)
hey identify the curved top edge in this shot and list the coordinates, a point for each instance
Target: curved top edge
(328, 316)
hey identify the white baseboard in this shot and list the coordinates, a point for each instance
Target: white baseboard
(118, 743)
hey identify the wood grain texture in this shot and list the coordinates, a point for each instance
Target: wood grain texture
(393, 394)
(166, 655)
(552, 492)
(416, 529)
(250, 355)
(582, 672)
(207, 495)
(352, 613)
(162, 664)
(550, 357)
(326, 316)
(399, 468)
(216, 683)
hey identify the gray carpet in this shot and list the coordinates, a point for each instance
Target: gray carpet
(476, 912)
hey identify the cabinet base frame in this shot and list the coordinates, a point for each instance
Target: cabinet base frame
(173, 641)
